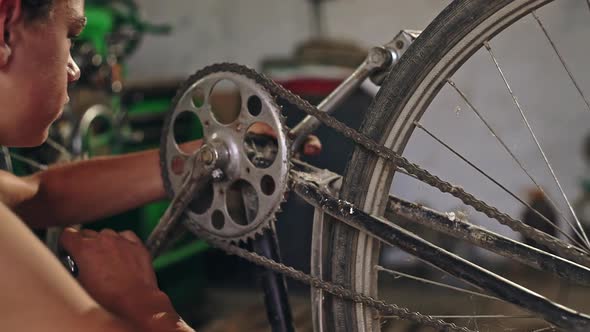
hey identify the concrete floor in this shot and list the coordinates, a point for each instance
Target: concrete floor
(243, 309)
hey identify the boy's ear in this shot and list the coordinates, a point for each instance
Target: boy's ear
(10, 12)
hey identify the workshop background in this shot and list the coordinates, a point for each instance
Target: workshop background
(252, 32)
(215, 292)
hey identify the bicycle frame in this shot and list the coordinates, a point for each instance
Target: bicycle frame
(306, 185)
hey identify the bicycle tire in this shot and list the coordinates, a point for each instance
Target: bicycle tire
(342, 254)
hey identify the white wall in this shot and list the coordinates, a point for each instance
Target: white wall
(246, 31)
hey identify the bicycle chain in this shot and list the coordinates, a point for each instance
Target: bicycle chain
(423, 175)
(556, 245)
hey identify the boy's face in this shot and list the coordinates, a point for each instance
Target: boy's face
(33, 84)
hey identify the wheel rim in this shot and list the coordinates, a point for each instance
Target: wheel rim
(397, 138)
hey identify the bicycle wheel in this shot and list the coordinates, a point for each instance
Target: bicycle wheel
(346, 256)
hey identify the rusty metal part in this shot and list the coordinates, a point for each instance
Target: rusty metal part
(326, 180)
(483, 238)
(394, 235)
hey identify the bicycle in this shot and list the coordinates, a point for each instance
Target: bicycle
(230, 190)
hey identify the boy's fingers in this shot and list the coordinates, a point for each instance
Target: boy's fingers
(70, 239)
(312, 146)
(129, 235)
(108, 232)
(88, 233)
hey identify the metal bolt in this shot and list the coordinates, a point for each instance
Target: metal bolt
(217, 174)
(207, 156)
(378, 55)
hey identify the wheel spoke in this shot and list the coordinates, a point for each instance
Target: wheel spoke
(534, 136)
(514, 157)
(478, 169)
(561, 59)
(435, 283)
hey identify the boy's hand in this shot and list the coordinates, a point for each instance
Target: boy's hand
(311, 147)
(116, 270)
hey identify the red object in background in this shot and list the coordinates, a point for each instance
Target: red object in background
(309, 80)
(311, 86)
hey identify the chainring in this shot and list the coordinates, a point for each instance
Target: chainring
(244, 195)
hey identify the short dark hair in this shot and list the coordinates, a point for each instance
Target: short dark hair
(36, 9)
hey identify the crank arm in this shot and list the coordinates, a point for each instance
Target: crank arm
(395, 235)
(204, 162)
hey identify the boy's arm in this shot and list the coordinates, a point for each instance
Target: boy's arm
(39, 295)
(37, 292)
(84, 191)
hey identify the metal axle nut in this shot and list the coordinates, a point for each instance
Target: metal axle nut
(208, 156)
